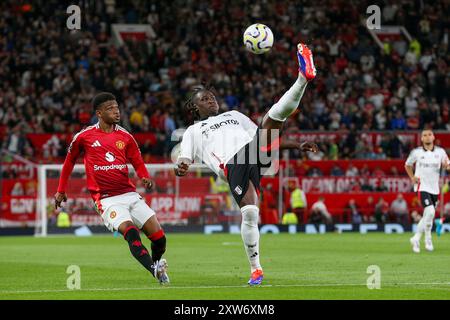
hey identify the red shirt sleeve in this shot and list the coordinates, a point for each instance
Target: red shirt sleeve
(133, 154)
(71, 158)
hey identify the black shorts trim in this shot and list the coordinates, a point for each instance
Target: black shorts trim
(239, 177)
(245, 166)
(428, 199)
(249, 164)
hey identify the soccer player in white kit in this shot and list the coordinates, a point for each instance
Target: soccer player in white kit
(428, 159)
(228, 143)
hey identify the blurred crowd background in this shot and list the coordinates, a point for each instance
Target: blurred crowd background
(48, 74)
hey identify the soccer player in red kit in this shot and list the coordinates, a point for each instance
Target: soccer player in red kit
(107, 148)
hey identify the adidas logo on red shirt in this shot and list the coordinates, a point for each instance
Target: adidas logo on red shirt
(96, 144)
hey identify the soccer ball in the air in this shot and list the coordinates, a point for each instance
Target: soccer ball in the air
(258, 38)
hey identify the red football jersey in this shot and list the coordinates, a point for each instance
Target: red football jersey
(105, 158)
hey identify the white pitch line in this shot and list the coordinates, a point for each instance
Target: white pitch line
(228, 287)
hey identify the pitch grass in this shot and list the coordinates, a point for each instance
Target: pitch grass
(329, 266)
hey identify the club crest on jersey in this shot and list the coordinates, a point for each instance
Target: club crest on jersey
(120, 144)
(110, 157)
(113, 214)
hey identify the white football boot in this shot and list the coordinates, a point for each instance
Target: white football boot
(415, 245)
(429, 245)
(160, 272)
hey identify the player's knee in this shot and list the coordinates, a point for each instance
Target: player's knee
(429, 213)
(250, 215)
(131, 233)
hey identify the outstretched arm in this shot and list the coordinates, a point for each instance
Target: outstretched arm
(412, 158)
(134, 156)
(305, 146)
(71, 158)
(186, 153)
(409, 171)
(282, 144)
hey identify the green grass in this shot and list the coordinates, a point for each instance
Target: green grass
(329, 266)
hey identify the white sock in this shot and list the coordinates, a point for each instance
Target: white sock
(420, 229)
(425, 224)
(250, 235)
(288, 103)
(428, 214)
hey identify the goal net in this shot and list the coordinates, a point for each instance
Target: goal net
(196, 199)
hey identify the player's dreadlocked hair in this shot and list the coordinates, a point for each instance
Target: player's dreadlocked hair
(190, 106)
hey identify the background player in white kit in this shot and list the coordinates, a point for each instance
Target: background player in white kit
(428, 160)
(230, 144)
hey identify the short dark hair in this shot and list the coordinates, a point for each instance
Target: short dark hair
(100, 98)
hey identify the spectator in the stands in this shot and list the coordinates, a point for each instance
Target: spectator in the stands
(365, 171)
(333, 150)
(394, 171)
(336, 171)
(378, 172)
(401, 85)
(319, 212)
(399, 122)
(395, 146)
(298, 201)
(399, 209)
(352, 171)
(16, 142)
(316, 156)
(289, 217)
(352, 212)
(368, 211)
(315, 172)
(382, 186)
(381, 211)
(366, 186)
(51, 148)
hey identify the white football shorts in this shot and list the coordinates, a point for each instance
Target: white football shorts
(129, 206)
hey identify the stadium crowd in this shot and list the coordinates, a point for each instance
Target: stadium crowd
(48, 74)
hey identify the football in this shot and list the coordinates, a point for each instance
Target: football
(258, 38)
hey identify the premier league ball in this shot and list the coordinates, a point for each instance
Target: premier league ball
(258, 38)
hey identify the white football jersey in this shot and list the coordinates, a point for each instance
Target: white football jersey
(428, 167)
(215, 140)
